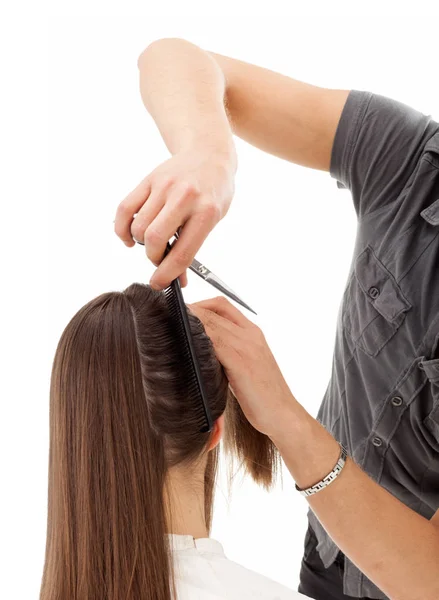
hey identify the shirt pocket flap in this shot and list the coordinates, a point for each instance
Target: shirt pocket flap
(431, 368)
(380, 286)
(431, 213)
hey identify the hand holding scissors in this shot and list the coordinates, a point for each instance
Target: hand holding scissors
(206, 274)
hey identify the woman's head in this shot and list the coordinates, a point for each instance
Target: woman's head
(121, 420)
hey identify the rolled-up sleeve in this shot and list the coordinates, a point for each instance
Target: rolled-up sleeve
(376, 148)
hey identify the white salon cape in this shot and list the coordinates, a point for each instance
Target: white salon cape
(203, 572)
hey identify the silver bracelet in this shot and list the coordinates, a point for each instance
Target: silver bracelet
(321, 485)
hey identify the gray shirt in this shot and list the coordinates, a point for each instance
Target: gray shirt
(382, 401)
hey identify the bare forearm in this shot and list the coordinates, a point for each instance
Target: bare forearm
(183, 89)
(393, 545)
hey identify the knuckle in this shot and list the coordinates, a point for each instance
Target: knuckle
(188, 188)
(186, 192)
(152, 237)
(182, 257)
(124, 208)
(211, 212)
(258, 336)
(222, 300)
(184, 198)
(153, 258)
(137, 230)
(160, 283)
(166, 181)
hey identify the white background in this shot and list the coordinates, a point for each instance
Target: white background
(284, 247)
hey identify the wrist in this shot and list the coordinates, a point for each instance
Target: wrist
(307, 448)
(218, 143)
(219, 150)
(293, 424)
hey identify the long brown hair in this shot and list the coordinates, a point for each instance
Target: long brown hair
(120, 417)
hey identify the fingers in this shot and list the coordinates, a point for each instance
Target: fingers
(128, 208)
(222, 307)
(166, 210)
(161, 216)
(183, 252)
(212, 320)
(224, 335)
(147, 214)
(159, 232)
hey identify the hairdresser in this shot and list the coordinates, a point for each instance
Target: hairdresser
(369, 466)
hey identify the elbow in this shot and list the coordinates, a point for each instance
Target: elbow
(228, 69)
(159, 48)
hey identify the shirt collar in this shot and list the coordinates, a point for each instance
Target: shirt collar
(186, 542)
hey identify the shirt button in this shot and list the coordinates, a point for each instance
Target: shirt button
(396, 401)
(377, 442)
(374, 292)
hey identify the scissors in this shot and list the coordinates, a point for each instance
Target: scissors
(206, 274)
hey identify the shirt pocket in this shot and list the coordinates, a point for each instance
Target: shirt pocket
(375, 306)
(431, 422)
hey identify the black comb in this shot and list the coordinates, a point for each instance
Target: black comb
(183, 334)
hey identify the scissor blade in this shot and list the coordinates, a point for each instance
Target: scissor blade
(216, 282)
(222, 287)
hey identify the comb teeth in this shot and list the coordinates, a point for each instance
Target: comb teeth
(180, 322)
